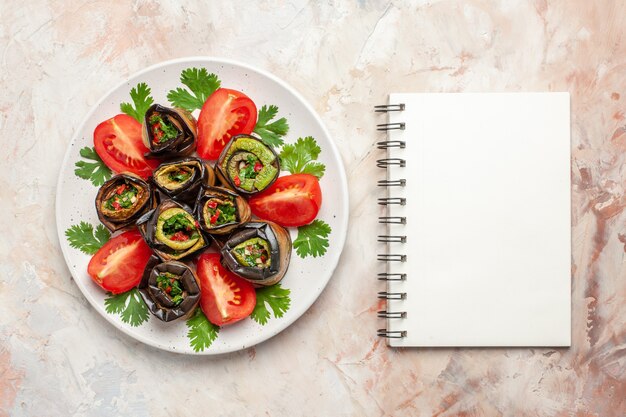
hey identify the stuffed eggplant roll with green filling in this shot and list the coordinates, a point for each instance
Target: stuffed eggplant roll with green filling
(258, 252)
(220, 210)
(122, 200)
(171, 231)
(247, 165)
(169, 132)
(169, 289)
(181, 180)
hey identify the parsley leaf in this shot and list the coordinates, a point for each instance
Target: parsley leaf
(97, 172)
(276, 297)
(142, 100)
(202, 85)
(271, 134)
(201, 332)
(298, 157)
(82, 237)
(129, 305)
(312, 239)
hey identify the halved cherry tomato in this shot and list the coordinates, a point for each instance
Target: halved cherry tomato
(118, 143)
(293, 200)
(225, 297)
(119, 264)
(226, 113)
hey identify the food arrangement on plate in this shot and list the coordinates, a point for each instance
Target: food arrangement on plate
(196, 211)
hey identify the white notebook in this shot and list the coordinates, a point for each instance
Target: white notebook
(479, 185)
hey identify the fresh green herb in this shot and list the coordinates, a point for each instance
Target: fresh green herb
(312, 239)
(129, 305)
(179, 175)
(162, 130)
(97, 172)
(298, 158)
(83, 237)
(170, 283)
(123, 198)
(276, 297)
(201, 332)
(202, 85)
(142, 99)
(176, 223)
(271, 133)
(248, 171)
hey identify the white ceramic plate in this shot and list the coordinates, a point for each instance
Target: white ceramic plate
(306, 277)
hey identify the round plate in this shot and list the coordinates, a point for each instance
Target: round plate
(306, 277)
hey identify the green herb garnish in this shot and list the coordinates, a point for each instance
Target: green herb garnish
(276, 297)
(83, 237)
(142, 100)
(312, 239)
(129, 305)
(162, 130)
(177, 223)
(271, 133)
(170, 284)
(201, 85)
(298, 158)
(201, 332)
(97, 172)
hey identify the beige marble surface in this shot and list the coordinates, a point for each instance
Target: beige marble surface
(58, 357)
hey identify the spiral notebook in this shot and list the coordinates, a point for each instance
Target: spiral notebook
(475, 245)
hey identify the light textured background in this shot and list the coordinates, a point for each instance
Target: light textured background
(58, 357)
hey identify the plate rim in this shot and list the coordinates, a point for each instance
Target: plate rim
(335, 154)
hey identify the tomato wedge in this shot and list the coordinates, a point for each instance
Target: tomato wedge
(226, 113)
(225, 297)
(119, 264)
(293, 200)
(118, 143)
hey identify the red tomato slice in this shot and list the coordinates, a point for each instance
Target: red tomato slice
(226, 113)
(293, 200)
(225, 297)
(119, 264)
(118, 143)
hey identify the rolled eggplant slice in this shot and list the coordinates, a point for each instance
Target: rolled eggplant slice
(247, 165)
(182, 179)
(169, 289)
(258, 252)
(220, 210)
(169, 132)
(122, 200)
(171, 231)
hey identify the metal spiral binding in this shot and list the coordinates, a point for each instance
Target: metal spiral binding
(391, 314)
(387, 162)
(391, 238)
(389, 107)
(390, 126)
(392, 183)
(387, 144)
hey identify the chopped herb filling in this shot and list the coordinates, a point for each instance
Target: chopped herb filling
(162, 130)
(125, 196)
(218, 212)
(170, 284)
(253, 253)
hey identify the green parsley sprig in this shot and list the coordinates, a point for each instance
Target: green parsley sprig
(97, 172)
(200, 85)
(312, 239)
(201, 332)
(129, 305)
(83, 237)
(142, 101)
(271, 133)
(276, 297)
(299, 157)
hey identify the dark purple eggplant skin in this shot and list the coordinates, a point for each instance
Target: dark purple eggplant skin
(242, 213)
(157, 301)
(127, 221)
(280, 252)
(183, 145)
(203, 176)
(147, 227)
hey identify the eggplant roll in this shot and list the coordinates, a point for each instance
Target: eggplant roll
(171, 231)
(182, 179)
(169, 289)
(122, 200)
(258, 252)
(219, 210)
(247, 165)
(168, 132)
